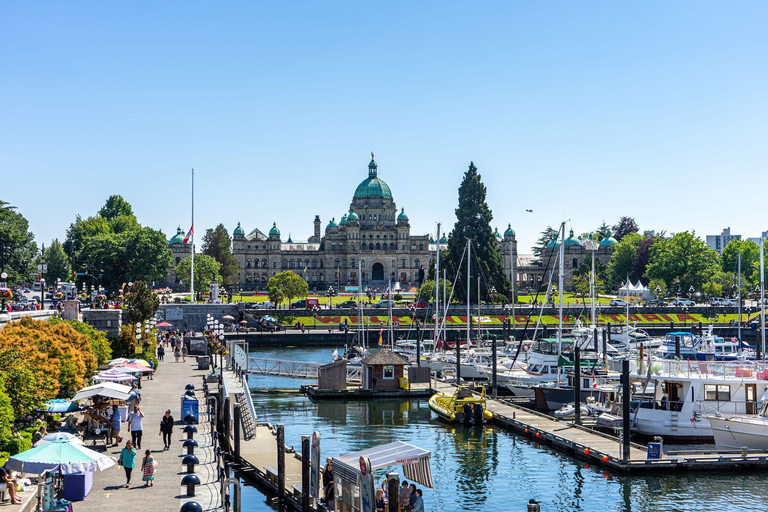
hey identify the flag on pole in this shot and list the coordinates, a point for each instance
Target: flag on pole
(594, 383)
(381, 339)
(189, 234)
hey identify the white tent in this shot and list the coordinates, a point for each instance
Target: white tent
(105, 389)
(414, 460)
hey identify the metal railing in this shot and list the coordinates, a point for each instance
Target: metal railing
(294, 369)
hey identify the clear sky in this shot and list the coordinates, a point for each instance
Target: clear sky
(577, 110)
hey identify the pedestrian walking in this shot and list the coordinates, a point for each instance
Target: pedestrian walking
(115, 423)
(148, 469)
(136, 420)
(184, 352)
(177, 353)
(166, 429)
(160, 352)
(128, 461)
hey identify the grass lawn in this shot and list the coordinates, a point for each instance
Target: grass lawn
(568, 298)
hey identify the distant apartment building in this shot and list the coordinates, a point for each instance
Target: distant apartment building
(764, 234)
(718, 242)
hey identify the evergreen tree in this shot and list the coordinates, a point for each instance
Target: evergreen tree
(474, 223)
(58, 263)
(547, 236)
(17, 244)
(604, 231)
(625, 226)
(218, 245)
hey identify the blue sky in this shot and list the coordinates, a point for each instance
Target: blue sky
(578, 110)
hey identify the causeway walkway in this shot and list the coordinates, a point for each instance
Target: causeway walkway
(157, 395)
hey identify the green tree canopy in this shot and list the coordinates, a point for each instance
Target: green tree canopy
(682, 262)
(115, 207)
(604, 231)
(58, 263)
(547, 236)
(286, 285)
(750, 255)
(140, 301)
(427, 290)
(17, 245)
(625, 226)
(473, 222)
(218, 245)
(206, 272)
(623, 261)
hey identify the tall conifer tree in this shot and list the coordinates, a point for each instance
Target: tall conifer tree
(473, 221)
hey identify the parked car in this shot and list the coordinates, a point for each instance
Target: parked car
(717, 301)
(347, 304)
(385, 304)
(617, 303)
(308, 303)
(656, 303)
(683, 302)
(419, 304)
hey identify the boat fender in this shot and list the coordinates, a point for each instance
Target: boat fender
(526, 347)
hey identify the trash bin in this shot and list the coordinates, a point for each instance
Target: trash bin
(403, 383)
(190, 406)
(77, 486)
(203, 362)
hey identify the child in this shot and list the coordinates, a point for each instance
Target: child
(148, 467)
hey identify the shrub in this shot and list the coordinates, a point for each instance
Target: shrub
(98, 340)
(398, 297)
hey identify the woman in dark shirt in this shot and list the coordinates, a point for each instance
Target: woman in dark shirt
(166, 428)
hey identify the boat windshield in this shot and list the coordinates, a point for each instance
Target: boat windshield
(548, 346)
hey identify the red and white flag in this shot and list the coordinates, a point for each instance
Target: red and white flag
(594, 383)
(189, 234)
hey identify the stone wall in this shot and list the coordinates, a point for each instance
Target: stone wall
(108, 321)
(194, 316)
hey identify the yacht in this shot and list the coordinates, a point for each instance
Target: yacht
(741, 431)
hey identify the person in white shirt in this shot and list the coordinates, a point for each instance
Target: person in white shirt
(136, 421)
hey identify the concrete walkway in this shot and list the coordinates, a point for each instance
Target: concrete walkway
(158, 395)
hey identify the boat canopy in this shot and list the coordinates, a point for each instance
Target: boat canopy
(415, 462)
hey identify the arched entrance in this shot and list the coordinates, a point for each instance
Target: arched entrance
(377, 272)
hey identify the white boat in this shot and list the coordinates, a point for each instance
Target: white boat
(686, 393)
(738, 432)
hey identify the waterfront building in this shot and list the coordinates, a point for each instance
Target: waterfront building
(718, 242)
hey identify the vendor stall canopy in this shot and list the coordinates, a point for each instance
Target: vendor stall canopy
(414, 460)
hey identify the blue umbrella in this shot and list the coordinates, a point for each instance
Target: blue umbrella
(59, 457)
(60, 405)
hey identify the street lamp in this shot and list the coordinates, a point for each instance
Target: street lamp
(690, 292)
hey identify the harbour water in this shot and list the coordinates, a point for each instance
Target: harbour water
(485, 468)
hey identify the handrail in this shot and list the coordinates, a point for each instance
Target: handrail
(248, 399)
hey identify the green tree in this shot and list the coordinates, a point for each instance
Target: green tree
(286, 285)
(682, 262)
(115, 207)
(474, 223)
(80, 231)
(626, 226)
(140, 301)
(546, 237)
(17, 245)
(206, 272)
(643, 257)
(712, 289)
(623, 261)
(580, 281)
(58, 263)
(427, 290)
(218, 245)
(657, 287)
(604, 231)
(750, 255)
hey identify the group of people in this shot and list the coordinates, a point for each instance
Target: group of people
(128, 453)
(409, 498)
(175, 342)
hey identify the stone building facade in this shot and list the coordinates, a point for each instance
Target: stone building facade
(372, 243)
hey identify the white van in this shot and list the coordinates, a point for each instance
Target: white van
(69, 290)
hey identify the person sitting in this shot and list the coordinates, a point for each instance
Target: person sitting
(8, 482)
(39, 435)
(418, 503)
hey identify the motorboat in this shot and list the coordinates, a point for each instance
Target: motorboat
(463, 406)
(686, 393)
(741, 431)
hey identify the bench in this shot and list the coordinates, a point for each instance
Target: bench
(271, 474)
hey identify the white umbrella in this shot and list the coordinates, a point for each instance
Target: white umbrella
(113, 375)
(105, 389)
(119, 360)
(227, 317)
(60, 436)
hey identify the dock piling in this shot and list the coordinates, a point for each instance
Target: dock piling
(494, 364)
(305, 460)
(577, 385)
(393, 489)
(625, 395)
(237, 418)
(280, 428)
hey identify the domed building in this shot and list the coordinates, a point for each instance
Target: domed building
(372, 243)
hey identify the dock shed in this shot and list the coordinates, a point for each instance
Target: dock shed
(384, 370)
(332, 375)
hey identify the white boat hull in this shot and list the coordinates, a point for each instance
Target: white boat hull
(737, 432)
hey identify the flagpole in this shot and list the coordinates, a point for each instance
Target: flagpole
(192, 244)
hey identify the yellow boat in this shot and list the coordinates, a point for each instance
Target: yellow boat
(462, 406)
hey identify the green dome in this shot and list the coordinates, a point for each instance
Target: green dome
(509, 231)
(274, 230)
(553, 244)
(496, 233)
(402, 215)
(331, 224)
(352, 215)
(443, 240)
(178, 238)
(572, 240)
(373, 186)
(343, 221)
(608, 241)
(238, 230)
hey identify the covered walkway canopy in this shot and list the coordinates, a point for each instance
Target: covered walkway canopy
(415, 462)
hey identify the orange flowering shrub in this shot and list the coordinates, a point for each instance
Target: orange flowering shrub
(61, 358)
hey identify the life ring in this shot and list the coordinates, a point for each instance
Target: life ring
(526, 346)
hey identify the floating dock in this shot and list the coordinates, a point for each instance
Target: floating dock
(358, 393)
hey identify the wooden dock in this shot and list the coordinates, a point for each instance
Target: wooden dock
(604, 449)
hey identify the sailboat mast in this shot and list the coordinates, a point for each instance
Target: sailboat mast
(592, 290)
(437, 287)
(469, 282)
(192, 245)
(360, 338)
(445, 301)
(560, 278)
(739, 270)
(762, 294)
(389, 307)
